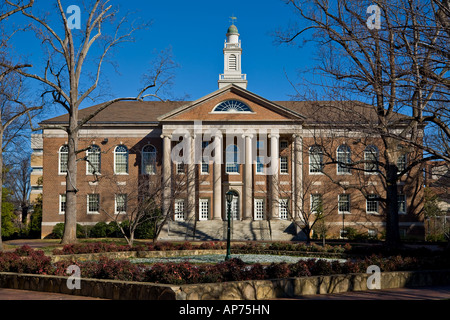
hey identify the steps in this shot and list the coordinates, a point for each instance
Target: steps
(214, 230)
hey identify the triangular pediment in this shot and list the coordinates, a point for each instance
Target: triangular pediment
(203, 109)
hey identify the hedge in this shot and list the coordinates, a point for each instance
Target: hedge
(27, 260)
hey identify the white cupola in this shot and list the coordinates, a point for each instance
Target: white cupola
(232, 61)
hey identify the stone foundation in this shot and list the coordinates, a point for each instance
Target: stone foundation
(239, 290)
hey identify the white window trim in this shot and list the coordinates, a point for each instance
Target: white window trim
(283, 204)
(60, 202)
(310, 164)
(263, 171)
(128, 162)
(373, 212)
(87, 199)
(88, 165)
(338, 162)
(176, 218)
(142, 161)
(311, 202)
(406, 206)
(202, 201)
(349, 205)
(115, 204)
(287, 165)
(255, 217)
(59, 162)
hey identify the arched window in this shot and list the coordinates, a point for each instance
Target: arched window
(121, 160)
(232, 106)
(149, 160)
(93, 160)
(315, 159)
(232, 159)
(63, 159)
(232, 62)
(371, 156)
(343, 158)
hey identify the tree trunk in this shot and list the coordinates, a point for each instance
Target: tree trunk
(70, 219)
(392, 232)
(1, 185)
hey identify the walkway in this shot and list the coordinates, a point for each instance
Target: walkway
(422, 293)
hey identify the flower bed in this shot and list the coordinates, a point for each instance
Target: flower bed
(27, 260)
(97, 247)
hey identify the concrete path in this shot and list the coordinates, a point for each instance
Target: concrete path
(422, 293)
(10, 294)
(425, 293)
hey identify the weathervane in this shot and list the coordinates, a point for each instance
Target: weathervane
(233, 19)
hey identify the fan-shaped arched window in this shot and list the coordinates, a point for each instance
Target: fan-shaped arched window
(315, 159)
(232, 106)
(121, 160)
(63, 159)
(343, 158)
(149, 160)
(371, 156)
(93, 160)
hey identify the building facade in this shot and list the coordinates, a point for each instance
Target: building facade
(285, 162)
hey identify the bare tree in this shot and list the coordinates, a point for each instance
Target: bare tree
(11, 95)
(67, 81)
(378, 64)
(17, 180)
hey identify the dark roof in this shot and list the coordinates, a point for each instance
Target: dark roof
(124, 112)
(147, 112)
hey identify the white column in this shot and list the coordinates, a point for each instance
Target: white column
(166, 172)
(191, 175)
(217, 179)
(274, 188)
(298, 175)
(248, 165)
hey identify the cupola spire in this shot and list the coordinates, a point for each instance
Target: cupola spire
(232, 59)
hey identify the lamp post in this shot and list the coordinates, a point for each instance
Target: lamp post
(229, 197)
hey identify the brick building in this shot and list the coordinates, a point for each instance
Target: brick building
(280, 158)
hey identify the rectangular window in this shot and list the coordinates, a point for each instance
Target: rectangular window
(180, 168)
(316, 203)
(344, 203)
(260, 144)
(205, 165)
(121, 203)
(260, 165)
(284, 165)
(402, 162)
(401, 200)
(283, 144)
(372, 204)
(259, 209)
(179, 210)
(232, 167)
(315, 160)
(204, 209)
(63, 159)
(205, 159)
(283, 209)
(62, 204)
(93, 203)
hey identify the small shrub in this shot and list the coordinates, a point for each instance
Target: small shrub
(278, 270)
(99, 230)
(299, 269)
(321, 267)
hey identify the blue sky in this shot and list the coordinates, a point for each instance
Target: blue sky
(195, 31)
